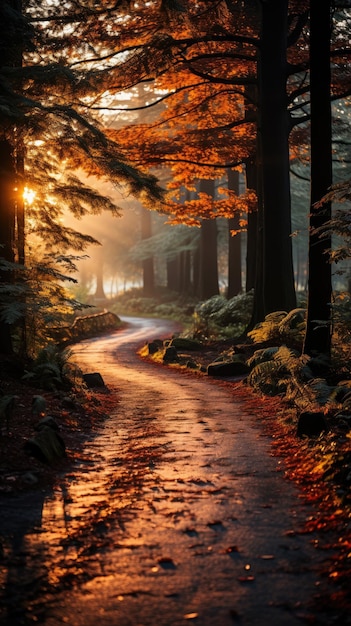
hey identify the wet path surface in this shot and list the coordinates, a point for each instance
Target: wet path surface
(173, 513)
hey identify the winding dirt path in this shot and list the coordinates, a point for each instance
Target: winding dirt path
(175, 512)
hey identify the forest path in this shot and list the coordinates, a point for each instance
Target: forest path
(173, 513)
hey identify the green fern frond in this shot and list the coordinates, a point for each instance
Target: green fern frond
(320, 390)
(275, 316)
(44, 375)
(288, 358)
(265, 377)
(295, 319)
(260, 356)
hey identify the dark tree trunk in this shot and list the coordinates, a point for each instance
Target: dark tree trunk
(255, 234)
(7, 227)
(252, 172)
(318, 335)
(208, 268)
(148, 264)
(208, 278)
(196, 269)
(172, 274)
(278, 275)
(10, 165)
(185, 272)
(254, 258)
(234, 244)
(252, 230)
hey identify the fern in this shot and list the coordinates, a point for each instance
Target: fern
(50, 369)
(44, 375)
(265, 377)
(260, 356)
(284, 370)
(280, 326)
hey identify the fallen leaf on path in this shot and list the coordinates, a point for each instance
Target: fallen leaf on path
(246, 579)
(267, 557)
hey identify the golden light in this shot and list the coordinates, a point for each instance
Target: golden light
(28, 195)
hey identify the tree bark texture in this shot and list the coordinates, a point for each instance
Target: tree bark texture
(234, 244)
(208, 269)
(318, 330)
(278, 274)
(7, 228)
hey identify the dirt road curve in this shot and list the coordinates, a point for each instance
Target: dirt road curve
(174, 514)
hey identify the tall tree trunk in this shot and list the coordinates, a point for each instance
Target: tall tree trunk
(172, 274)
(255, 236)
(252, 229)
(148, 264)
(234, 244)
(208, 271)
(185, 272)
(252, 172)
(99, 273)
(208, 275)
(254, 258)
(7, 227)
(11, 56)
(318, 329)
(278, 275)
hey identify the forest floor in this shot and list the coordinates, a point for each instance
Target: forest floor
(319, 466)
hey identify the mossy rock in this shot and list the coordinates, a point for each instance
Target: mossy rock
(185, 344)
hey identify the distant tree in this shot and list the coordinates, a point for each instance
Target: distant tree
(147, 263)
(234, 244)
(208, 257)
(99, 274)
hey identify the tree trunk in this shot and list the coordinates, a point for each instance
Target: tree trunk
(7, 227)
(99, 291)
(208, 270)
(148, 264)
(318, 328)
(185, 272)
(172, 274)
(278, 275)
(234, 244)
(208, 278)
(252, 229)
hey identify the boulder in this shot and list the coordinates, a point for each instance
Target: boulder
(311, 424)
(154, 346)
(192, 365)
(93, 380)
(184, 344)
(170, 355)
(227, 368)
